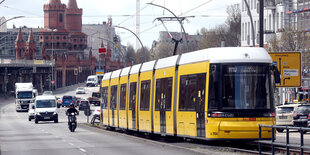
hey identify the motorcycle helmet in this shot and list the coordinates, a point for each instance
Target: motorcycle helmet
(71, 105)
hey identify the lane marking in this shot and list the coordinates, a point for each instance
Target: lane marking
(71, 144)
(83, 150)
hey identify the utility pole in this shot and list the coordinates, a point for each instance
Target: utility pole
(261, 23)
(137, 22)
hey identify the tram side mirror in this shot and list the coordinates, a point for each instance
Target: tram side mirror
(277, 75)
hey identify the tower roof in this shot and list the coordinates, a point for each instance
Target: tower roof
(20, 36)
(55, 2)
(30, 37)
(72, 4)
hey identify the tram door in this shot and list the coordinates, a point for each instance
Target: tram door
(113, 103)
(163, 97)
(200, 104)
(132, 104)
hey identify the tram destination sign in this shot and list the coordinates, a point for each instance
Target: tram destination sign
(289, 65)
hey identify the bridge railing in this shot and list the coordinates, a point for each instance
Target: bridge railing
(27, 62)
(287, 144)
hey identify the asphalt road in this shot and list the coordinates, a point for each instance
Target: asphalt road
(19, 136)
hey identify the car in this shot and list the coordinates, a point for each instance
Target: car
(47, 93)
(45, 109)
(284, 115)
(31, 113)
(67, 100)
(301, 116)
(80, 90)
(95, 99)
(84, 104)
(308, 121)
(77, 102)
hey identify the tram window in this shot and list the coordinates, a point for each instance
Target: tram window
(192, 88)
(123, 97)
(113, 97)
(163, 94)
(145, 95)
(104, 97)
(132, 101)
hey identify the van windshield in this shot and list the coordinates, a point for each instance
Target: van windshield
(45, 103)
(90, 79)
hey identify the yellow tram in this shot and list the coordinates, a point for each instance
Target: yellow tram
(216, 93)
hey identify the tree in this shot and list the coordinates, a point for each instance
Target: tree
(289, 40)
(143, 57)
(130, 55)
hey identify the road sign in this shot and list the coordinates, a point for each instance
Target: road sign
(102, 50)
(99, 71)
(52, 82)
(289, 65)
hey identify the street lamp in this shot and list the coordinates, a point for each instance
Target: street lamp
(11, 19)
(53, 60)
(137, 38)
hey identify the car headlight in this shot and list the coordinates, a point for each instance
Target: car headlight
(37, 113)
(55, 113)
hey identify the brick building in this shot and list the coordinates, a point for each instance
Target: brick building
(61, 39)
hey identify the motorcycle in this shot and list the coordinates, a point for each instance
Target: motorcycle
(72, 123)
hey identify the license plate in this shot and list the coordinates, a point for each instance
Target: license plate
(303, 117)
(282, 117)
(46, 117)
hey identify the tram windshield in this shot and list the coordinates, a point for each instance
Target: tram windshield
(242, 87)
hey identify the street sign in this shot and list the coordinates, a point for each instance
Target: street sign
(289, 65)
(102, 50)
(52, 82)
(99, 71)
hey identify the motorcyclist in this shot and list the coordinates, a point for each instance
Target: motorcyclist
(72, 109)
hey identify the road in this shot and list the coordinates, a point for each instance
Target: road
(19, 136)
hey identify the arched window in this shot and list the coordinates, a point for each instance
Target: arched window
(60, 18)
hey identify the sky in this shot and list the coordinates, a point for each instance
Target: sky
(207, 14)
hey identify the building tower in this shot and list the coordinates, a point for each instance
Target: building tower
(31, 47)
(74, 26)
(20, 45)
(54, 38)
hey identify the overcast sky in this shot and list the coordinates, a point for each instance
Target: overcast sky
(97, 11)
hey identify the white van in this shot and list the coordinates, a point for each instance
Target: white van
(45, 109)
(92, 81)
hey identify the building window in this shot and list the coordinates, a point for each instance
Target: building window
(60, 18)
(74, 40)
(64, 37)
(46, 37)
(57, 37)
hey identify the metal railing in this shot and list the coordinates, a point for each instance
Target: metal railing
(287, 143)
(10, 62)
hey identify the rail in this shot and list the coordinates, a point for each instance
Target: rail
(287, 144)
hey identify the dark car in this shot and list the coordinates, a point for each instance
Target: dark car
(84, 104)
(301, 116)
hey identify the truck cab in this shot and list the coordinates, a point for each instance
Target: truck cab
(92, 81)
(24, 94)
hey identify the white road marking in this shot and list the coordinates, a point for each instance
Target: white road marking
(71, 144)
(83, 150)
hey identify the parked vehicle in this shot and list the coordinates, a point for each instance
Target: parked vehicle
(92, 81)
(84, 104)
(301, 115)
(31, 112)
(308, 121)
(95, 99)
(46, 109)
(284, 115)
(24, 94)
(67, 100)
(59, 102)
(80, 90)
